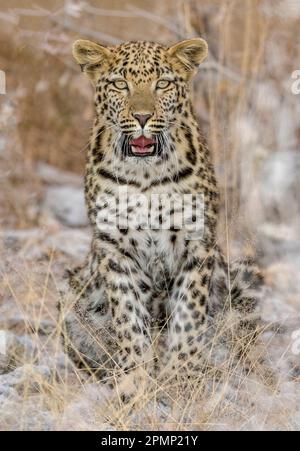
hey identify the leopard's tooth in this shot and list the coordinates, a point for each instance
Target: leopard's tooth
(149, 149)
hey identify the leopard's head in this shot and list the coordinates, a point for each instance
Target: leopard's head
(141, 90)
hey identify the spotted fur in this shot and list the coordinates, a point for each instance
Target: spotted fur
(139, 288)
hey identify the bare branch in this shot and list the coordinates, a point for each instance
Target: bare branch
(132, 12)
(8, 17)
(157, 19)
(83, 31)
(107, 12)
(30, 12)
(214, 65)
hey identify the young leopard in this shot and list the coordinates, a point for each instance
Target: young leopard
(147, 297)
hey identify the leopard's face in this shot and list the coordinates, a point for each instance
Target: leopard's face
(141, 90)
(140, 95)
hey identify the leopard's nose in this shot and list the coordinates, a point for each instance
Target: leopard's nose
(142, 118)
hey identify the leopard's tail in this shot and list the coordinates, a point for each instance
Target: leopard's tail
(234, 311)
(238, 286)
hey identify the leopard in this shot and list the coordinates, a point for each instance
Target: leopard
(146, 298)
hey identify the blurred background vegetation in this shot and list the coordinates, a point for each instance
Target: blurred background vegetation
(242, 93)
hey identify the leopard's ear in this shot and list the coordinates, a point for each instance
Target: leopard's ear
(91, 56)
(187, 55)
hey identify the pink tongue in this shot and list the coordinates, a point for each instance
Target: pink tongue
(142, 142)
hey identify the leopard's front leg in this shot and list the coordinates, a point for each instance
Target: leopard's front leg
(188, 307)
(127, 289)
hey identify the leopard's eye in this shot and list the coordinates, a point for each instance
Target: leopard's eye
(120, 84)
(163, 84)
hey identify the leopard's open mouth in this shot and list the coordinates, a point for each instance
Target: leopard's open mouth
(143, 147)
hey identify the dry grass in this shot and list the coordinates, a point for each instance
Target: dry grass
(243, 101)
(63, 395)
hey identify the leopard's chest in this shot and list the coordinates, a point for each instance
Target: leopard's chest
(159, 253)
(150, 226)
